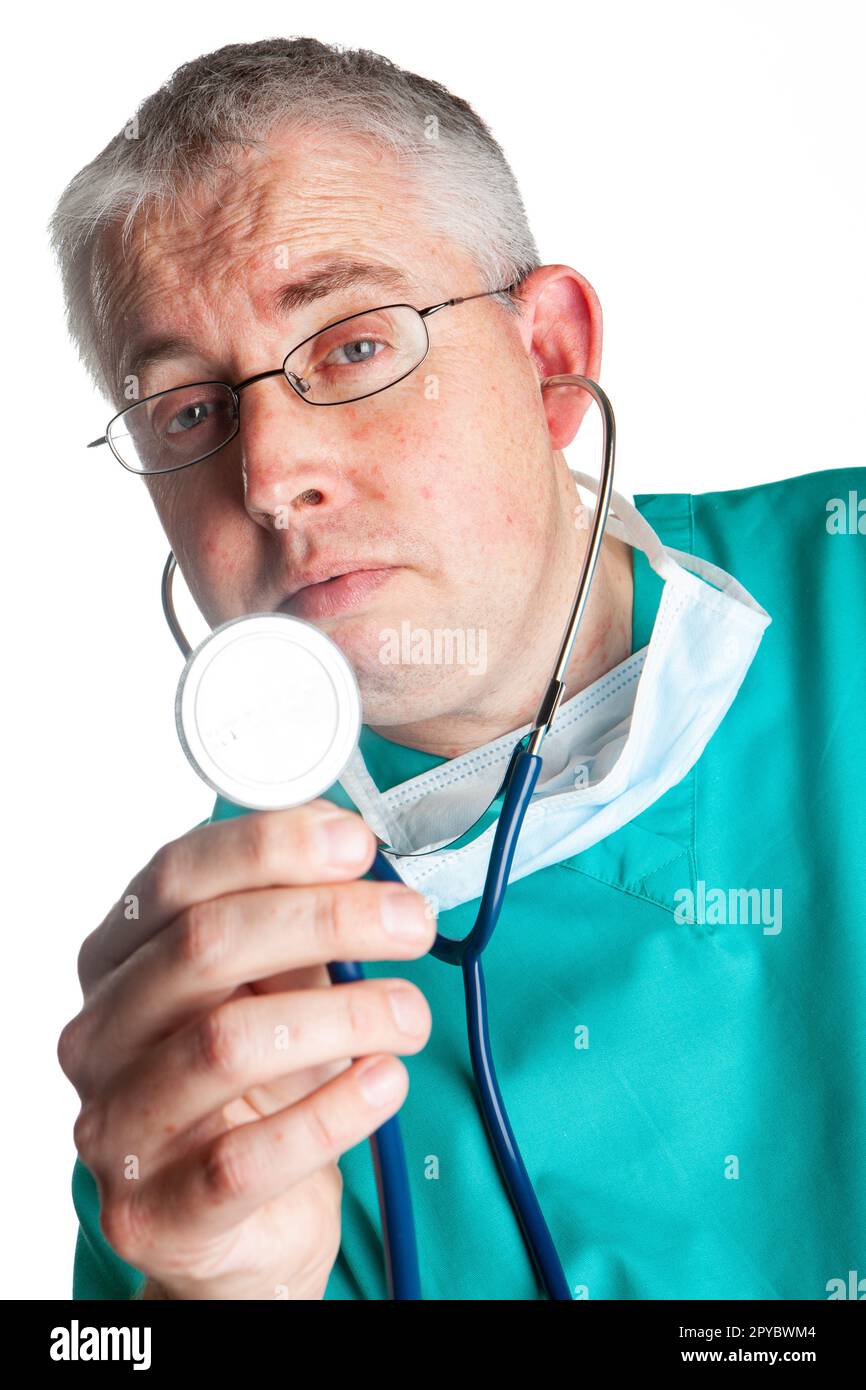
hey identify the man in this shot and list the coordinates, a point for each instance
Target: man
(682, 1063)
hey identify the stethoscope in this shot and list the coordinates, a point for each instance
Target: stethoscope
(268, 712)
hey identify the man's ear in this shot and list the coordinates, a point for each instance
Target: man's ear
(561, 328)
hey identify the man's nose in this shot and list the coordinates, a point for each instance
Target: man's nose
(292, 454)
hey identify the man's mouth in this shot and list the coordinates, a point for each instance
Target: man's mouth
(336, 595)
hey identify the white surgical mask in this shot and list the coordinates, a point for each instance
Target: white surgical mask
(614, 749)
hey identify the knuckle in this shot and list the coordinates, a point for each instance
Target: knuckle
(164, 875)
(87, 1130)
(203, 938)
(83, 963)
(363, 1011)
(353, 909)
(330, 927)
(265, 840)
(72, 1045)
(222, 1040)
(321, 1130)
(126, 1227)
(314, 845)
(228, 1170)
(306, 833)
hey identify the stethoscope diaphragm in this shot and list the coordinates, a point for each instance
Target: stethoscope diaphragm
(268, 711)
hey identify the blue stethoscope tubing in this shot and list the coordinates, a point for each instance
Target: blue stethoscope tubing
(389, 1160)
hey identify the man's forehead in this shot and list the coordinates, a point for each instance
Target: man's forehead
(296, 202)
(294, 228)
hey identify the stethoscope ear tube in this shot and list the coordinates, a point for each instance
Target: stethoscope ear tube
(556, 685)
(167, 596)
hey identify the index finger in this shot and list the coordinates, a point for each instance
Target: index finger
(316, 843)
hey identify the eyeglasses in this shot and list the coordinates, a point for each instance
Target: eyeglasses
(349, 360)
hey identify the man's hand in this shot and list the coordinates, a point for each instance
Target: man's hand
(212, 1054)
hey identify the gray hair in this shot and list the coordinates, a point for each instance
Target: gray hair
(187, 132)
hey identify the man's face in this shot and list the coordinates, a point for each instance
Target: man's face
(445, 481)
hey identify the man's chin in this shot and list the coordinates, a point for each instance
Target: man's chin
(404, 691)
(410, 665)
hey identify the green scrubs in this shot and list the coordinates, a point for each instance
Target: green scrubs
(689, 1096)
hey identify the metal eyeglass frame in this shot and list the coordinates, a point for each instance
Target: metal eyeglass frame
(296, 383)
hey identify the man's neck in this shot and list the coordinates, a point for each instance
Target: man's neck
(604, 641)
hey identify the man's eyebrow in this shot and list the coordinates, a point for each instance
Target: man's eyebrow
(325, 280)
(338, 275)
(161, 349)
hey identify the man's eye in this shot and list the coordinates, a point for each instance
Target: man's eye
(192, 415)
(353, 353)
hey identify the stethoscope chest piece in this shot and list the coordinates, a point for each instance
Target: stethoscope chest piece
(268, 711)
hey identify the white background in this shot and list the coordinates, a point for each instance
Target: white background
(700, 163)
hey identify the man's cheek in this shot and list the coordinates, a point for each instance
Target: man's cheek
(220, 575)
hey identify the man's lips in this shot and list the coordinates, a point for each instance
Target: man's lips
(336, 595)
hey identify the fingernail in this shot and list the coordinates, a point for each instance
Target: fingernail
(404, 915)
(380, 1082)
(409, 1010)
(346, 839)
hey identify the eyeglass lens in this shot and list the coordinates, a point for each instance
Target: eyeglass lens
(345, 362)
